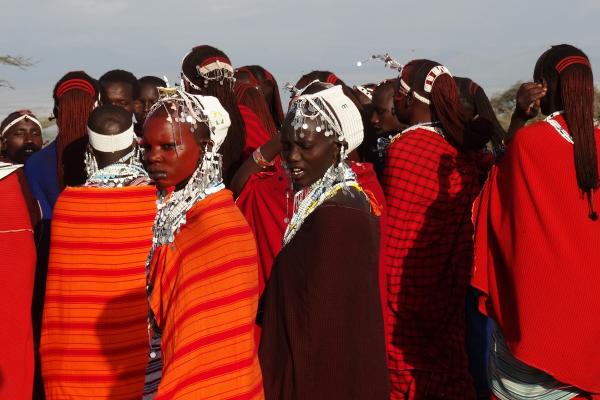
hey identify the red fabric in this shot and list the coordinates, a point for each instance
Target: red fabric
(17, 271)
(583, 397)
(537, 255)
(429, 187)
(256, 133)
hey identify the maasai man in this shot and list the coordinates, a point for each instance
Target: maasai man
(537, 241)
(476, 104)
(51, 169)
(206, 70)
(61, 163)
(148, 95)
(252, 97)
(431, 177)
(18, 216)
(202, 268)
(384, 121)
(94, 332)
(119, 88)
(478, 329)
(260, 77)
(322, 325)
(20, 136)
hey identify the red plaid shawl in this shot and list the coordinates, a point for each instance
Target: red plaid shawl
(429, 187)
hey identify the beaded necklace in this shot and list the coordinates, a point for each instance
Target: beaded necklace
(551, 119)
(336, 178)
(127, 169)
(171, 216)
(428, 126)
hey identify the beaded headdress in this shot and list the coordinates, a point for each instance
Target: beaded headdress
(338, 115)
(186, 108)
(213, 69)
(434, 73)
(194, 109)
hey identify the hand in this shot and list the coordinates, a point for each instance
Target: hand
(528, 99)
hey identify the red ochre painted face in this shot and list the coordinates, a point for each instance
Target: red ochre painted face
(307, 153)
(172, 152)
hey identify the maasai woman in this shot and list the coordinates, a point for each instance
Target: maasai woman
(322, 334)
(537, 243)
(266, 197)
(202, 269)
(431, 177)
(208, 71)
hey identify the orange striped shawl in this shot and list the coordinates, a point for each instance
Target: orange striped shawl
(205, 294)
(94, 336)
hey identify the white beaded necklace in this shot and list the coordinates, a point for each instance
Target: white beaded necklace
(336, 178)
(428, 126)
(127, 169)
(551, 119)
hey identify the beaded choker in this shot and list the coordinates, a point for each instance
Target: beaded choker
(428, 126)
(336, 178)
(127, 169)
(551, 119)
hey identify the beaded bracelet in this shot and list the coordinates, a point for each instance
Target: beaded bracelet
(260, 160)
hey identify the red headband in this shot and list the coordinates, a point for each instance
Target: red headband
(331, 78)
(215, 59)
(568, 61)
(76, 84)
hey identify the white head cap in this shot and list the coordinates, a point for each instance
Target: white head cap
(339, 114)
(196, 108)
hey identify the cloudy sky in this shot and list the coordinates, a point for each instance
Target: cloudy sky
(494, 42)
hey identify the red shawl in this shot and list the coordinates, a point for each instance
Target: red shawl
(537, 258)
(430, 187)
(17, 271)
(256, 133)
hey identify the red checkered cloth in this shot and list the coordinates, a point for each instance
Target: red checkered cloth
(430, 187)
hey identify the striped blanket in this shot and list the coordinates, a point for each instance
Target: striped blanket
(94, 336)
(204, 297)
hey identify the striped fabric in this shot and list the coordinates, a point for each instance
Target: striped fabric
(510, 379)
(94, 336)
(204, 298)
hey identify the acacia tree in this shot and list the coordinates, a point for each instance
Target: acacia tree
(13, 61)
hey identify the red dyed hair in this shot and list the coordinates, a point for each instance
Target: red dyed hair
(75, 96)
(445, 105)
(569, 69)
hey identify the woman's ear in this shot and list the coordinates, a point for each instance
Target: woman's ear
(337, 150)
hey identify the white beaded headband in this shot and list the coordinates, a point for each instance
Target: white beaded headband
(430, 78)
(19, 119)
(111, 143)
(336, 110)
(197, 109)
